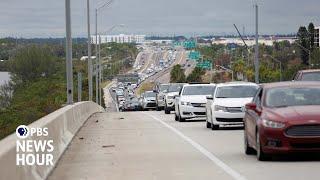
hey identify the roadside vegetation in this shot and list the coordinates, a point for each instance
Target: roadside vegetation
(293, 57)
(38, 83)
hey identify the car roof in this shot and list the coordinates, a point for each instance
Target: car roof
(296, 84)
(199, 85)
(237, 83)
(309, 70)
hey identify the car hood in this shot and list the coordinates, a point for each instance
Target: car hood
(194, 99)
(173, 94)
(294, 114)
(232, 102)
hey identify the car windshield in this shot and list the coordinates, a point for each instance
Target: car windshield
(150, 94)
(163, 87)
(314, 76)
(236, 91)
(198, 90)
(284, 97)
(175, 88)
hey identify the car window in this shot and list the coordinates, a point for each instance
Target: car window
(198, 90)
(284, 97)
(236, 91)
(312, 76)
(150, 94)
(175, 88)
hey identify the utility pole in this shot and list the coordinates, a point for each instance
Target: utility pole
(100, 72)
(256, 58)
(89, 52)
(96, 60)
(69, 54)
(79, 86)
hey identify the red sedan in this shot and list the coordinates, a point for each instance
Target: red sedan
(283, 118)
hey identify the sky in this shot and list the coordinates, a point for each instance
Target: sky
(46, 18)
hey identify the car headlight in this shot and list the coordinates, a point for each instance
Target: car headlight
(185, 103)
(220, 108)
(272, 124)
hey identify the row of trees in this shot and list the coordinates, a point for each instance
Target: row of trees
(306, 41)
(38, 83)
(177, 75)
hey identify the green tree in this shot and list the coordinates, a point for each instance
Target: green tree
(177, 74)
(303, 40)
(31, 63)
(196, 75)
(311, 36)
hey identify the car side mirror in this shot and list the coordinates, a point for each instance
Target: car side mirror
(209, 97)
(251, 106)
(176, 96)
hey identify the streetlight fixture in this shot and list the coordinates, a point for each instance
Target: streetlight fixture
(99, 82)
(228, 70)
(278, 61)
(98, 63)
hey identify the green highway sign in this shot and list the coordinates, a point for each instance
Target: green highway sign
(194, 55)
(189, 44)
(206, 64)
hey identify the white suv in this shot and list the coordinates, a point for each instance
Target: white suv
(226, 106)
(192, 101)
(173, 91)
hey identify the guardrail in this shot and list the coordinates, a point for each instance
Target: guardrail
(62, 126)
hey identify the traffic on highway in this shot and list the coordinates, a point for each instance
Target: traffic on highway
(278, 118)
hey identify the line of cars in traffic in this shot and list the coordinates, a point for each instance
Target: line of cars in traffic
(278, 118)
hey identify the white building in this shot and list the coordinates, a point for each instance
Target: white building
(251, 41)
(121, 38)
(317, 36)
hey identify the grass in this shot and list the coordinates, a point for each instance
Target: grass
(147, 86)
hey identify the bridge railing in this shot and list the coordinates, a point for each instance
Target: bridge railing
(62, 126)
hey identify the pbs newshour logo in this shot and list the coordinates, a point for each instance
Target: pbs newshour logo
(35, 150)
(22, 131)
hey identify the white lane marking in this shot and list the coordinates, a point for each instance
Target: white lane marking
(204, 151)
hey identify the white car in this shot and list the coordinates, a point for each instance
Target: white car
(172, 92)
(149, 100)
(226, 106)
(191, 102)
(161, 90)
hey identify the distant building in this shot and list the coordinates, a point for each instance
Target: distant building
(317, 36)
(121, 38)
(251, 41)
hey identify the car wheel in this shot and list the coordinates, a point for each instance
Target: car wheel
(247, 149)
(261, 156)
(208, 125)
(215, 127)
(166, 110)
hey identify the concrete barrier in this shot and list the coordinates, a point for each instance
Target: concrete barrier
(62, 126)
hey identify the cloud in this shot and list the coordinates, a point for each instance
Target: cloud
(43, 18)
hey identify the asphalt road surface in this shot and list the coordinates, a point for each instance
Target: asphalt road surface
(152, 145)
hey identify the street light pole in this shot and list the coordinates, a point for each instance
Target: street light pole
(96, 60)
(89, 53)
(69, 54)
(256, 63)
